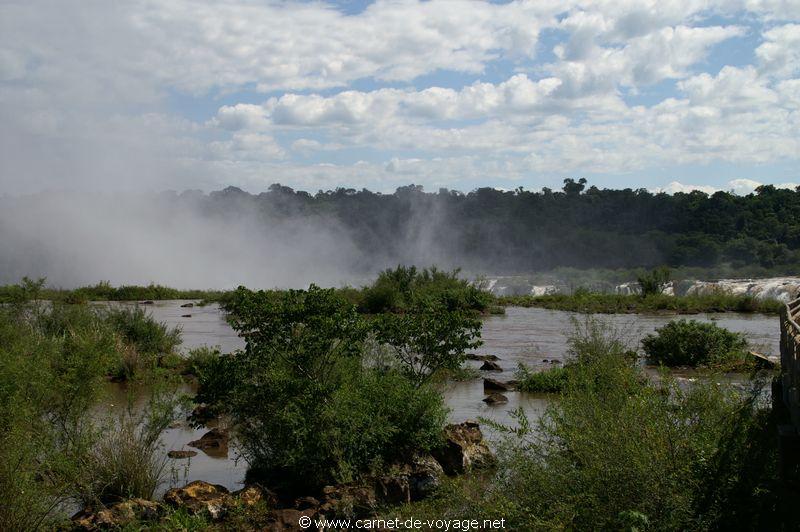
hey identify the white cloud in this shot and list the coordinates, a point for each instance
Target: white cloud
(741, 187)
(780, 52)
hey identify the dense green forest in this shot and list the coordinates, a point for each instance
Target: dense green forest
(519, 231)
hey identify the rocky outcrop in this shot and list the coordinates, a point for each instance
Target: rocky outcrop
(491, 366)
(117, 515)
(464, 449)
(200, 497)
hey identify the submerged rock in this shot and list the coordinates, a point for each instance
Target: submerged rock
(464, 449)
(491, 366)
(496, 399)
(200, 497)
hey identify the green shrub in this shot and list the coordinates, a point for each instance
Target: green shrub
(406, 287)
(654, 281)
(308, 406)
(693, 343)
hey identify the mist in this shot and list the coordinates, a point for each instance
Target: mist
(74, 239)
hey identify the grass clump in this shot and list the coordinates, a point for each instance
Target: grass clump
(696, 344)
(550, 380)
(139, 329)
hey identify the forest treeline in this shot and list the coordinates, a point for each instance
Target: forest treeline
(519, 231)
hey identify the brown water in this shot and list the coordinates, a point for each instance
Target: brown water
(527, 335)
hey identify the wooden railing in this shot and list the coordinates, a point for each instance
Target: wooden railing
(790, 360)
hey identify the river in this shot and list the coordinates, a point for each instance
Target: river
(523, 335)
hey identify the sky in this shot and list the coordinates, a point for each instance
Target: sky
(202, 94)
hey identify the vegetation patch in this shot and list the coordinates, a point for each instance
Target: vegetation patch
(696, 344)
(550, 380)
(602, 303)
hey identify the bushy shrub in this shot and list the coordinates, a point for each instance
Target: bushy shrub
(654, 281)
(406, 287)
(309, 408)
(693, 343)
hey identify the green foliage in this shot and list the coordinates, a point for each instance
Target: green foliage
(621, 452)
(103, 291)
(125, 459)
(428, 340)
(593, 302)
(693, 343)
(54, 364)
(654, 281)
(405, 287)
(309, 402)
(550, 380)
(140, 330)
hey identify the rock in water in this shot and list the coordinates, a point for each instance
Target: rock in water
(464, 449)
(492, 385)
(491, 366)
(482, 358)
(496, 399)
(181, 454)
(215, 440)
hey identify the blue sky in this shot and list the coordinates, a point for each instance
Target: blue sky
(153, 95)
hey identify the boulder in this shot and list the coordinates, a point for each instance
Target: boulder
(117, 515)
(181, 454)
(254, 494)
(425, 476)
(496, 399)
(492, 385)
(288, 519)
(200, 497)
(349, 500)
(482, 358)
(491, 366)
(464, 449)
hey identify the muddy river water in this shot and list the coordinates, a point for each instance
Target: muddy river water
(527, 335)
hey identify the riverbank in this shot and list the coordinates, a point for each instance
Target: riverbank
(599, 303)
